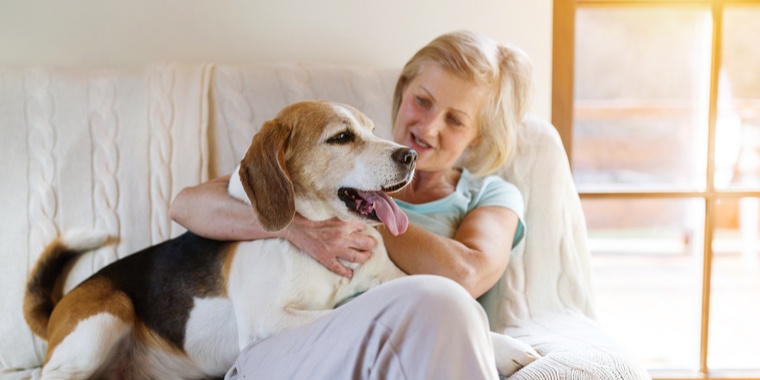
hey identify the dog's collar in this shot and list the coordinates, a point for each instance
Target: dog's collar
(348, 299)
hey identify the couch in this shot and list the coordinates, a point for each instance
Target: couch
(110, 148)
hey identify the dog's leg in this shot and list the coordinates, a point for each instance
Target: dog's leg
(86, 350)
(511, 354)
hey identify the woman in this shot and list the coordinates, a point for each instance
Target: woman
(457, 103)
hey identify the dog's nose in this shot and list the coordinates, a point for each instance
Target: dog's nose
(405, 156)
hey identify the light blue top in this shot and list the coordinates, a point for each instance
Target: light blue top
(444, 215)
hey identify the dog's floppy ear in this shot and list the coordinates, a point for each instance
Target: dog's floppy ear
(265, 177)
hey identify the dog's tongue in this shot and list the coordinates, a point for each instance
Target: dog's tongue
(387, 210)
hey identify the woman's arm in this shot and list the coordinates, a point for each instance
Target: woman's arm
(209, 211)
(475, 258)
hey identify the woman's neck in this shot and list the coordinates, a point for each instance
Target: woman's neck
(430, 186)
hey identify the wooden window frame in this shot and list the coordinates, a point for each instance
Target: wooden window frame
(563, 69)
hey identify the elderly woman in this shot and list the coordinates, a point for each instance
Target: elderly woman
(457, 103)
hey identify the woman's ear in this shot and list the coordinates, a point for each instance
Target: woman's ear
(265, 177)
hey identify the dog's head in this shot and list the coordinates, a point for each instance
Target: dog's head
(322, 160)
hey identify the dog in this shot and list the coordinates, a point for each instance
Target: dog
(186, 307)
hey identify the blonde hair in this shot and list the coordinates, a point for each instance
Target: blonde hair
(506, 74)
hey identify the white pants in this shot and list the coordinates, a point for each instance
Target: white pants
(417, 327)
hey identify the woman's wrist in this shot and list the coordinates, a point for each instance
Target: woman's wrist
(290, 232)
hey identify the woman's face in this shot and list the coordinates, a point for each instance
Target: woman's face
(438, 117)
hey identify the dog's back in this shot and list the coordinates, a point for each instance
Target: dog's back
(164, 280)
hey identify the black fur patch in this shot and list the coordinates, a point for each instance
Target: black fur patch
(162, 281)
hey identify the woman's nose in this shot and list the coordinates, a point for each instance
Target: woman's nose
(429, 126)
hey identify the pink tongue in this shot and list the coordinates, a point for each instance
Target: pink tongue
(387, 210)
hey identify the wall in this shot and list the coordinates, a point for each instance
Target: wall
(115, 33)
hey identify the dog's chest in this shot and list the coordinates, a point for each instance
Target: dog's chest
(275, 273)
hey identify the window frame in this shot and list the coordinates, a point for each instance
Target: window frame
(563, 71)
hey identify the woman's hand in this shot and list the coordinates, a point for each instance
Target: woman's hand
(331, 241)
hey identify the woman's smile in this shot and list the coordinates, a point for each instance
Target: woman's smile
(419, 144)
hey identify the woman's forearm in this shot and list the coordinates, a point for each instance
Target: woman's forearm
(418, 251)
(209, 211)
(475, 258)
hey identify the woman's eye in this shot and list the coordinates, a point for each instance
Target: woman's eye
(455, 121)
(341, 138)
(422, 102)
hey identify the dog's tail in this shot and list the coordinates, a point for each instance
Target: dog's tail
(42, 294)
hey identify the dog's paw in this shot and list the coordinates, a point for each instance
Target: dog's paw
(512, 354)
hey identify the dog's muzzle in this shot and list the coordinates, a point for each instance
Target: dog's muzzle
(376, 205)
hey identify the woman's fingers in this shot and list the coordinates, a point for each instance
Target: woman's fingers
(333, 242)
(335, 266)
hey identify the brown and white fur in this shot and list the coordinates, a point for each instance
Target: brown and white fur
(184, 308)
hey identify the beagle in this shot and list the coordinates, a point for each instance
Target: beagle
(186, 307)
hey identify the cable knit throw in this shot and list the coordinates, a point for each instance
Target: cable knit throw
(91, 149)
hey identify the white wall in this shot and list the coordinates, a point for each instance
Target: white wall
(108, 33)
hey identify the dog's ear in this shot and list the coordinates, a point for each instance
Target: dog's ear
(265, 177)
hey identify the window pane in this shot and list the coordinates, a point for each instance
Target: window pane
(647, 260)
(737, 149)
(734, 306)
(641, 97)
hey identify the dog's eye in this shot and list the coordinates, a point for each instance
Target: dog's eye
(344, 137)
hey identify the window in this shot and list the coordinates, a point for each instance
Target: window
(658, 106)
